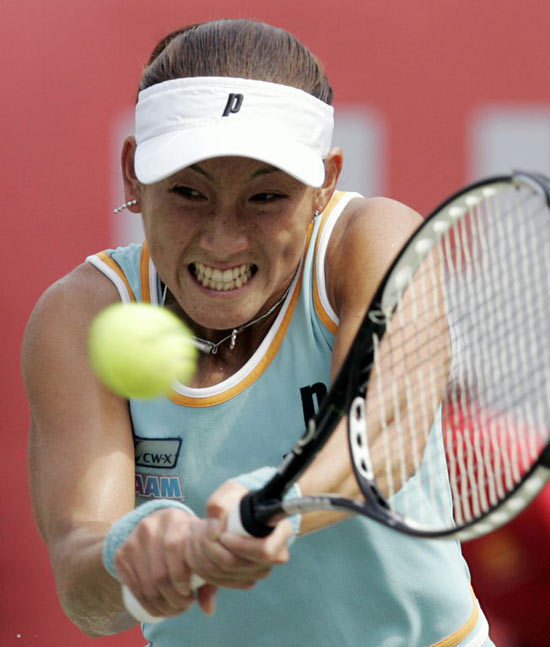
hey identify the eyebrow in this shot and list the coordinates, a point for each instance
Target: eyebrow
(265, 170)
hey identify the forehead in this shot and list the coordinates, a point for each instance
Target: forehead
(243, 168)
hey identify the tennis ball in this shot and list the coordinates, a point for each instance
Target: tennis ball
(139, 350)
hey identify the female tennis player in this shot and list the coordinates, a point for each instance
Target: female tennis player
(250, 243)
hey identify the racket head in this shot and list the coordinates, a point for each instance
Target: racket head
(446, 431)
(456, 417)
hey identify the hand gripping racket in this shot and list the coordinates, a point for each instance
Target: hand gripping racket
(446, 386)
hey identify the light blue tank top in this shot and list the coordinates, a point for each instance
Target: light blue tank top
(353, 584)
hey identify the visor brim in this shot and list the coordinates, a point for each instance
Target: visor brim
(164, 155)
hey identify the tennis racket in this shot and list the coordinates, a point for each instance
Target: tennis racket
(446, 386)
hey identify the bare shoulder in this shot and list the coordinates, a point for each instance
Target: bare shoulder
(375, 222)
(61, 316)
(365, 240)
(369, 234)
(77, 296)
(84, 288)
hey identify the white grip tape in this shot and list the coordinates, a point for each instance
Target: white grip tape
(133, 605)
(134, 608)
(234, 523)
(196, 581)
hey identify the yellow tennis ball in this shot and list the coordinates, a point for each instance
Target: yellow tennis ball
(139, 350)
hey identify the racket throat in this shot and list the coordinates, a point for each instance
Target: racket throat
(358, 440)
(361, 459)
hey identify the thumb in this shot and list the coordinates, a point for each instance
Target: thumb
(224, 499)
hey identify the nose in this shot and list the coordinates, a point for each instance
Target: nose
(224, 232)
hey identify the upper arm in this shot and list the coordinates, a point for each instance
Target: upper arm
(363, 244)
(80, 446)
(365, 241)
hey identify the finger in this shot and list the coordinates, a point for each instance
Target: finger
(206, 597)
(224, 568)
(130, 566)
(172, 591)
(177, 567)
(155, 591)
(145, 569)
(223, 499)
(173, 575)
(217, 565)
(142, 594)
(273, 549)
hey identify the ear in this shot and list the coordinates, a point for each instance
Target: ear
(333, 166)
(132, 186)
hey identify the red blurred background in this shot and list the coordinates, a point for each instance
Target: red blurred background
(425, 69)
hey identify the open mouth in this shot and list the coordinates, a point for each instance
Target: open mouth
(222, 280)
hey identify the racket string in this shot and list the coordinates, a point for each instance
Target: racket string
(459, 321)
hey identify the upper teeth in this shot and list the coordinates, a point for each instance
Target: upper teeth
(215, 279)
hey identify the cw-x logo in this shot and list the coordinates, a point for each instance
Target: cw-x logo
(161, 453)
(233, 105)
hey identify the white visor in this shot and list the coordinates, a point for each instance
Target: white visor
(183, 121)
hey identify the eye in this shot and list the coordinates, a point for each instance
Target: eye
(267, 197)
(187, 192)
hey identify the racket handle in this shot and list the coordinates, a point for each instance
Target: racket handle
(234, 521)
(134, 606)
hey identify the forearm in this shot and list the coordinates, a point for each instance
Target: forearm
(330, 472)
(90, 597)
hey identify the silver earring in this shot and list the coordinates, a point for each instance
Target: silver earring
(124, 206)
(316, 214)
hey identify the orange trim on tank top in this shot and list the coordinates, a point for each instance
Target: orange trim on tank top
(144, 273)
(321, 312)
(103, 256)
(458, 636)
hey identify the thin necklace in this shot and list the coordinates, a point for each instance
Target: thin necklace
(212, 347)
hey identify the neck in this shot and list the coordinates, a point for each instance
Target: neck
(210, 347)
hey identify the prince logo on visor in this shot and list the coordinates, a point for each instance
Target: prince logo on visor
(233, 105)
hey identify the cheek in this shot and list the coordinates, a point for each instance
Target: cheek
(163, 246)
(163, 230)
(292, 242)
(154, 237)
